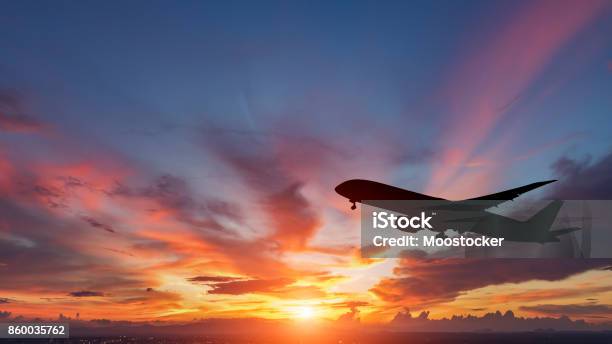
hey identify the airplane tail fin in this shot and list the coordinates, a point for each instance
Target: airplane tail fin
(543, 219)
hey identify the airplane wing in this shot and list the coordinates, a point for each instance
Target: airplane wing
(507, 195)
(488, 201)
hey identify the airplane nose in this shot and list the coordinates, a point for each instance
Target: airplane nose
(337, 188)
(340, 189)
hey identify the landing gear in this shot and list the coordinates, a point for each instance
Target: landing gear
(353, 207)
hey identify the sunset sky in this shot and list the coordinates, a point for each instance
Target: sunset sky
(172, 161)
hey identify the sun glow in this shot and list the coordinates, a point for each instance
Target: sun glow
(305, 312)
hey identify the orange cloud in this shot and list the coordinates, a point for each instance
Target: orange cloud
(248, 286)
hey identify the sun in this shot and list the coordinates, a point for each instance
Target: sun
(305, 312)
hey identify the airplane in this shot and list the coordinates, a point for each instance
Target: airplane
(480, 221)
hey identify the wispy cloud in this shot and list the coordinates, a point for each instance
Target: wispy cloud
(13, 118)
(86, 293)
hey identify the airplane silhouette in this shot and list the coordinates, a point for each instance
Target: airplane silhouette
(480, 221)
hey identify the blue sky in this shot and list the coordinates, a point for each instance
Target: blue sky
(109, 71)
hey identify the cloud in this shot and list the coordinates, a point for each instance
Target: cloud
(19, 123)
(85, 293)
(150, 300)
(570, 309)
(12, 118)
(350, 304)
(172, 192)
(4, 314)
(94, 223)
(351, 316)
(497, 321)
(205, 223)
(547, 294)
(54, 261)
(293, 217)
(165, 222)
(280, 287)
(175, 197)
(265, 169)
(424, 282)
(213, 279)
(249, 286)
(583, 179)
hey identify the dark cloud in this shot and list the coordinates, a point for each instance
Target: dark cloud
(4, 314)
(279, 287)
(249, 286)
(583, 179)
(4, 300)
(213, 279)
(172, 192)
(96, 224)
(12, 117)
(150, 299)
(424, 282)
(495, 321)
(85, 293)
(570, 309)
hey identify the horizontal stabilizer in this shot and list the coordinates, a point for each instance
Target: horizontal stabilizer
(562, 231)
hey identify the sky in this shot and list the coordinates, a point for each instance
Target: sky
(176, 161)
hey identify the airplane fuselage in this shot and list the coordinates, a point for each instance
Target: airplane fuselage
(358, 190)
